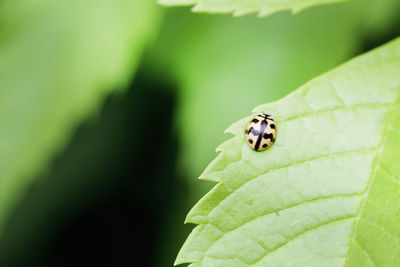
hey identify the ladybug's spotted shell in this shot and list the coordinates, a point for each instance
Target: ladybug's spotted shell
(260, 132)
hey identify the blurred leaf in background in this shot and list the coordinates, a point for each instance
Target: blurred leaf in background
(263, 7)
(106, 197)
(58, 60)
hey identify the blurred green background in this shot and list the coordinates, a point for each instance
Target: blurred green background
(110, 110)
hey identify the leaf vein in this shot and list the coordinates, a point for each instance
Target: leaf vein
(327, 156)
(280, 210)
(339, 108)
(371, 181)
(305, 232)
(366, 253)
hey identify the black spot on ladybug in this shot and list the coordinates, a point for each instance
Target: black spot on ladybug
(250, 141)
(268, 136)
(254, 120)
(264, 145)
(272, 126)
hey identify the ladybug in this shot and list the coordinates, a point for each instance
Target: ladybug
(260, 132)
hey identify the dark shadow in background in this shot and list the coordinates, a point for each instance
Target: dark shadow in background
(111, 195)
(387, 35)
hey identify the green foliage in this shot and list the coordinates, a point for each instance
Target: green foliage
(242, 7)
(58, 61)
(327, 192)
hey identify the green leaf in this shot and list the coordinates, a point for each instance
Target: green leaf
(243, 7)
(58, 61)
(326, 193)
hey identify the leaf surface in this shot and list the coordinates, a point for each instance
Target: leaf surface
(58, 61)
(326, 193)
